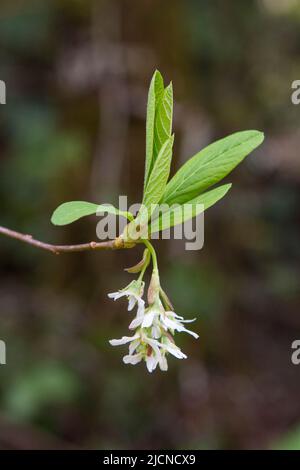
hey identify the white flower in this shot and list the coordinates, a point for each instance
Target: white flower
(152, 351)
(147, 317)
(142, 348)
(151, 362)
(173, 349)
(133, 358)
(163, 363)
(137, 321)
(174, 322)
(154, 330)
(153, 354)
(123, 340)
(134, 292)
(152, 313)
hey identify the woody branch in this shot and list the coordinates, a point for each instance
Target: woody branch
(57, 249)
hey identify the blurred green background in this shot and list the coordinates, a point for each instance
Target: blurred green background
(77, 73)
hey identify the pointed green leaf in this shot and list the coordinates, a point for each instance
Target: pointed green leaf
(70, 211)
(159, 175)
(180, 213)
(210, 165)
(163, 120)
(141, 264)
(155, 92)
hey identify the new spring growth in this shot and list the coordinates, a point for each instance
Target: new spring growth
(155, 323)
(193, 187)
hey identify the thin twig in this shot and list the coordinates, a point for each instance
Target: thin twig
(57, 249)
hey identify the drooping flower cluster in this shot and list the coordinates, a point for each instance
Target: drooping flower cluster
(154, 326)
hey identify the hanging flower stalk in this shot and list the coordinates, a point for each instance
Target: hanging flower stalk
(155, 324)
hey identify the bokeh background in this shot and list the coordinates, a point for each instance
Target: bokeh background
(77, 73)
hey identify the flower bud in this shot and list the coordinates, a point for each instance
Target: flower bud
(154, 287)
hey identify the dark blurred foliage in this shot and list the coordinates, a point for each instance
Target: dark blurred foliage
(77, 73)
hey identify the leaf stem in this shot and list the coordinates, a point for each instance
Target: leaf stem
(153, 254)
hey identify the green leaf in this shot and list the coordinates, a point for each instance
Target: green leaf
(210, 165)
(159, 121)
(70, 211)
(155, 92)
(137, 268)
(159, 175)
(163, 120)
(180, 213)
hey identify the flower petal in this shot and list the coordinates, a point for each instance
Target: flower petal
(132, 358)
(133, 345)
(137, 321)
(156, 333)
(115, 295)
(174, 350)
(190, 332)
(176, 325)
(141, 307)
(123, 340)
(178, 317)
(151, 363)
(155, 346)
(131, 302)
(148, 319)
(172, 324)
(163, 363)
